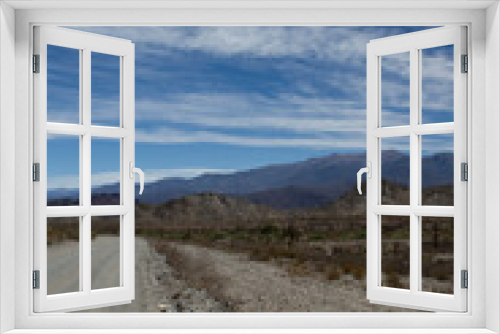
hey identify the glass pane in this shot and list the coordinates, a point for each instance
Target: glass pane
(105, 171)
(437, 84)
(395, 251)
(63, 84)
(437, 169)
(63, 255)
(437, 254)
(395, 170)
(395, 91)
(105, 89)
(105, 252)
(63, 170)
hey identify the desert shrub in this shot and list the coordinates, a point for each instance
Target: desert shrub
(356, 270)
(299, 268)
(358, 234)
(394, 280)
(60, 232)
(317, 236)
(268, 230)
(332, 272)
(241, 235)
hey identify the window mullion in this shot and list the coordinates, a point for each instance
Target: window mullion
(415, 249)
(85, 166)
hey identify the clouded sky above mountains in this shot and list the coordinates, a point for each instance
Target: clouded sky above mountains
(228, 98)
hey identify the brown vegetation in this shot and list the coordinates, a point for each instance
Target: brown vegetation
(328, 242)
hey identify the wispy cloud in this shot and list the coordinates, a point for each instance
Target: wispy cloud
(322, 42)
(167, 135)
(151, 175)
(318, 101)
(302, 115)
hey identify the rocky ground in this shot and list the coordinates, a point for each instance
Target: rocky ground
(158, 288)
(202, 279)
(252, 286)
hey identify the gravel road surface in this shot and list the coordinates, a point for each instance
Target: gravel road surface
(157, 287)
(243, 285)
(254, 286)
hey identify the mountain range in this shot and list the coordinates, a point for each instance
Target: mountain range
(304, 184)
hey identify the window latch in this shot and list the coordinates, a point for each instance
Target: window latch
(368, 171)
(132, 171)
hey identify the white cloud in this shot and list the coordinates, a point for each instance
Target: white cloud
(437, 89)
(290, 112)
(324, 122)
(151, 175)
(63, 182)
(322, 42)
(166, 135)
(105, 178)
(297, 115)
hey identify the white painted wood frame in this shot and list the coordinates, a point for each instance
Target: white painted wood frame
(7, 167)
(85, 43)
(482, 314)
(413, 43)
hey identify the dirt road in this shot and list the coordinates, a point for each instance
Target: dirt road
(253, 286)
(231, 281)
(157, 287)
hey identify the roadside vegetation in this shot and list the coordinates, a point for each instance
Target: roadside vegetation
(327, 242)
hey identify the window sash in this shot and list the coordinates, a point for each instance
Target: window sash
(413, 43)
(87, 43)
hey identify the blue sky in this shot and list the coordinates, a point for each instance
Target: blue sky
(219, 99)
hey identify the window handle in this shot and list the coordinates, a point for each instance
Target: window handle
(368, 171)
(134, 170)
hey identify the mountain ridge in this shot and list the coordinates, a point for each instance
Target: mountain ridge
(303, 184)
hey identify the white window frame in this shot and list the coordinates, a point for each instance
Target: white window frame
(483, 311)
(412, 44)
(85, 44)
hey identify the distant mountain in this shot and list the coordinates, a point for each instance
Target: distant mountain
(334, 173)
(62, 193)
(310, 183)
(97, 199)
(437, 169)
(292, 197)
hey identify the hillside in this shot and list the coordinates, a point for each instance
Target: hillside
(217, 207)
(205, 211)
(351, 203)
(306, 184)
(212, 210)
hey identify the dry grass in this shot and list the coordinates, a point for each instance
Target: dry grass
(327, 247)
(62, 229)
